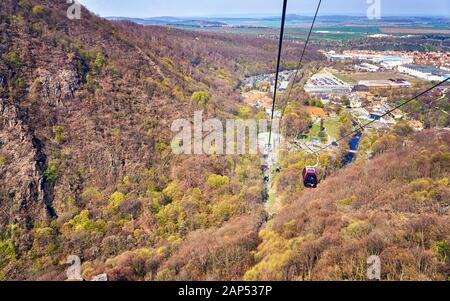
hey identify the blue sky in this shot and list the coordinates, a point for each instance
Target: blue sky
(185, 8)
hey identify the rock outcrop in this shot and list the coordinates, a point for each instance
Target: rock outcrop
(56, 88)
(24, 194)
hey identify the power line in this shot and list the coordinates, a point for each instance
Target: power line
(300, 66)
(280, 48)
(361, 127)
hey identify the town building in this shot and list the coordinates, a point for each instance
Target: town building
(385, 83)
(316, 112)
(425, 72)
(391, 62)
(375, 114)
(360, 89)
(325, 99)
(367, 67)
(283, 86)
(397, 114)
(327, 83)
(266, 82)
(355, 101)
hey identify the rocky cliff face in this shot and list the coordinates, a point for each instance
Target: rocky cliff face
(24, 192)
(57, 88)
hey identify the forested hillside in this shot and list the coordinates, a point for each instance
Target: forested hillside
(395, 206)
(86, 167)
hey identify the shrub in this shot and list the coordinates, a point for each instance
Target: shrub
(91, 193)
(116, 199)
(200, 97)
(98, 92)
(314, 103)
(173, 191)
(45, 240)
(161, 146)
(3, 161)
(17, 21)
(357, 229)
(168, 62)
(403, 129)
(82, 222)
(13, 58)
(177, 92)
(347, 202)
(89, 79)
(51, 173)
(442, 249)
(217, 181)
(245, 111)
(19, 83)
(58, 134)
(7, 252)
(37, 9)
(99, 61)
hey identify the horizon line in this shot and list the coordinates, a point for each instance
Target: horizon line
(262, 15)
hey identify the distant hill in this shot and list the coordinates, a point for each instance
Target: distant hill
(327, 19)
(171, 21)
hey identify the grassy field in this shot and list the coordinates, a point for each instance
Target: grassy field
(415, 31)
(314, 131)
(346, 77)
(332, 126)
(354, 77)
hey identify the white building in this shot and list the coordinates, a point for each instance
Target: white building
(367, 67)
(391, 62)
(355, 101)
(283, 85)
(327, 83)
(425, 72)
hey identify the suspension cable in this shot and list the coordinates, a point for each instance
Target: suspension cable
(300, 64)
(362, 127)
(280, 48)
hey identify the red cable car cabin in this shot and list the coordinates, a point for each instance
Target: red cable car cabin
(310, 177)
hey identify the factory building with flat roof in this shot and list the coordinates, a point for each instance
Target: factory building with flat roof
(327, 83)
(425, 72)
(385, 83)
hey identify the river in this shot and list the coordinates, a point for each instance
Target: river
(354, 145)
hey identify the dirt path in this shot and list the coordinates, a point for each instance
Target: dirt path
(271, 163)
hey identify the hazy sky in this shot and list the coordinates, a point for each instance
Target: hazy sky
(152, 8)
